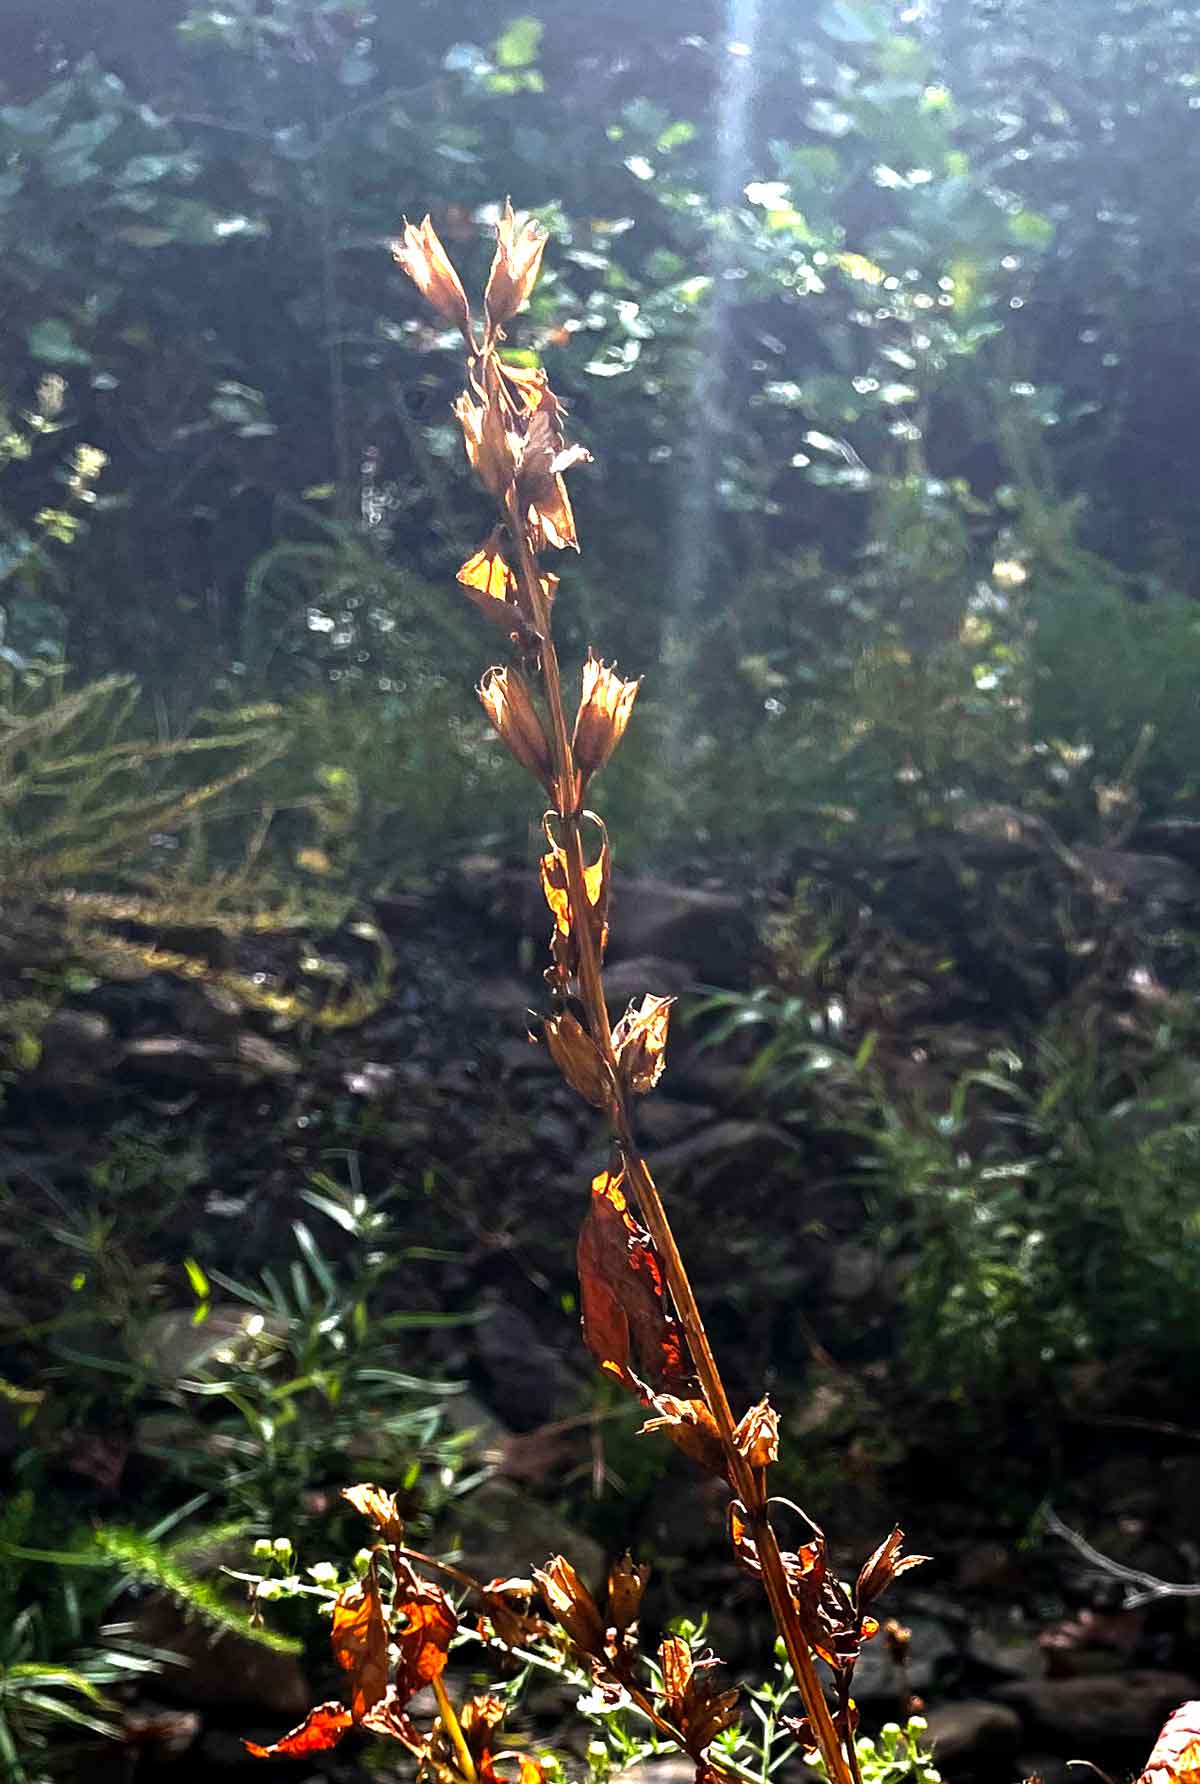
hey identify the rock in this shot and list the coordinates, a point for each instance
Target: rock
(643, 973)
(711, 1145)
(1015, 1658)
(713, 932)
(1126, 1707)
(209, 1012)
(854, 1273)
(972, 1732)
(172, 1058)
(527, 1381)
(932, 1657)
(261, 1058)
(503, 1531)
(225, 1671)
(662, 1120)
(83, 1035)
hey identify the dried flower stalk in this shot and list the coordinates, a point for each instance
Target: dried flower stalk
(632, 1274)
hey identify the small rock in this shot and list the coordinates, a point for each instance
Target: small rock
(227, 1671)
(662, 1120)
(172, 1057)
(1129, 1707)
(1016, 1658)
(642, 974)
(83, 1035)
(972, 1730)
(503, 1531)
(854, 1272)
(713, 932)
(711, 1144)
(264, 1059)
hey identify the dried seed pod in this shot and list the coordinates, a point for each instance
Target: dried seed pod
(578, 1059)
(509, 705)
(421, 255)
(640, 1043)
(604, 709)
(626, 1584)
(571, 1604)
(757, 1435)
(515, 267)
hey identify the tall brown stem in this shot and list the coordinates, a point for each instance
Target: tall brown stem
(747, 1482)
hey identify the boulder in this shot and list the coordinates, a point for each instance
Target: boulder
(1089, 1712)
(972, 1733)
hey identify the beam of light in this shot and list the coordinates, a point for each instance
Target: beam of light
(698, 468)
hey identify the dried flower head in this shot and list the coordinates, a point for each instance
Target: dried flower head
(515, 267)
(421, 255)
(604, 708)
(578, 1059)
(571, 1604)
(509, 705)
(640, 1042)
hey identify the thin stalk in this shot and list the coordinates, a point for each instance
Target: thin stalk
(746, 1481)
(453, 1727)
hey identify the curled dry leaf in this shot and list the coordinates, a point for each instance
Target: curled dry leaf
(507, 1604)
(885, 1565)
(692, 1428)
(626, 1584)
(571, 1604)
(421, 255)
(515, 267)
(757, 1435)
(625, 1320)
(578, 1059)
(604, 708)
(321, 1729)
(380, 1507)
(640, 1043)
(508, 703)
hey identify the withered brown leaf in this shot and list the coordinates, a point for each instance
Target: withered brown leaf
(578, 1058)
(321, 1729)
(692, 1428)
(625, 1321)
(885, 1565)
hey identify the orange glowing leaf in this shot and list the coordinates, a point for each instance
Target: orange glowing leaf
(321, 1729)
(489, 572)
(427, 1624)
(1175, 1758)
(640, 1043)
(360, 1644)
